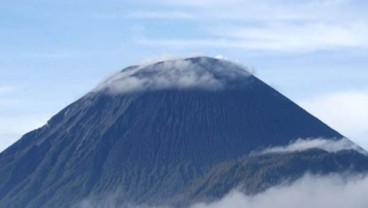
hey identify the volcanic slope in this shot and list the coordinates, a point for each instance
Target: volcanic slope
(172, 132)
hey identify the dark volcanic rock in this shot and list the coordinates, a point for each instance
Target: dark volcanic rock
(166, 131)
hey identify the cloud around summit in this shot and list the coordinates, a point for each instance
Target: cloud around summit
(178, 73)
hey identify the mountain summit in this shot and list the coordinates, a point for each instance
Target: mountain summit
(171, 133)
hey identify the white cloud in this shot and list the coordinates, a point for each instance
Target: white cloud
(206, 11)
(346, 112)
(282, 37)
(157, 15)
(201, 3)
(173, 73)
(230, 4)
(337, 191)
(285, 26)
(155, 59)
(300, 37)
(319, 143)
(310, 191)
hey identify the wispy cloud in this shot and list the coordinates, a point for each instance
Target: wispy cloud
(319, 143)
(283, 26)
(304, 37)
(158, 15)
(202, 3)
(207, 11)
(282, 37)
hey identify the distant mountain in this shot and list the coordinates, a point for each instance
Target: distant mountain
(169, 133)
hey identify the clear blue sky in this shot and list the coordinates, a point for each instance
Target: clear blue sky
(52, 52)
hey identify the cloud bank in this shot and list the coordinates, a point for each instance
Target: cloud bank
(318, 143)
(174, 73)
(310, 191)
(315, 191)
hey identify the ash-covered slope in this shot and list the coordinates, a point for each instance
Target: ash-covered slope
(151, 135)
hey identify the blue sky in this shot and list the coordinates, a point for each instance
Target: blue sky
(53, 52)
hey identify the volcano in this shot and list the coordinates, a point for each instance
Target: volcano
(171, 133)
